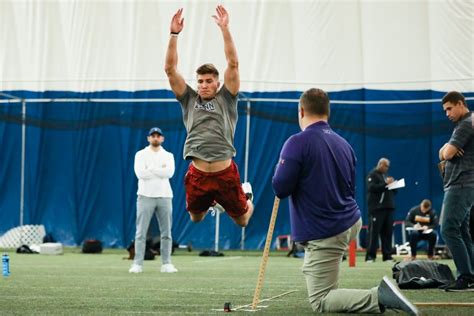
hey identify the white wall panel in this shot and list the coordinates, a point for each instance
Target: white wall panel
(282, 45)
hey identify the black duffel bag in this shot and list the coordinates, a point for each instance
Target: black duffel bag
(421, 274)
(92, 246)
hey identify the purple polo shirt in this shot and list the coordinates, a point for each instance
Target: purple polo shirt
(317, 171)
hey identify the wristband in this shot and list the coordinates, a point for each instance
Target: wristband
(175, 34)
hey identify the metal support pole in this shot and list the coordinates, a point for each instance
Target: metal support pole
(404, 232)
(216, 238)
(247, 142)
(23, 149)
(246, 162)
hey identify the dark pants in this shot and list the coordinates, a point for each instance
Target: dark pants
(457, 204)
(471, 224)
(380, 224)
(416, 236)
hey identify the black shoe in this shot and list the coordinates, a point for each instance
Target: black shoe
(369, 259)
(391, 297)
(462, 284)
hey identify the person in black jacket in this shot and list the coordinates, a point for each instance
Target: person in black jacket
(381, 207)
(423, 221)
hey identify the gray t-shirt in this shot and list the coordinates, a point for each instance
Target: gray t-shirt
(210, 125)
(460, 170)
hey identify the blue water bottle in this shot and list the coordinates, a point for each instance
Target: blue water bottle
(5, 265)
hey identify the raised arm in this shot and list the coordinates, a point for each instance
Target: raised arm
(177, 83)
(231, 75)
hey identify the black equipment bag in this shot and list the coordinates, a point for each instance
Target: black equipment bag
(421, 274)
(92, 246)
(149, 252)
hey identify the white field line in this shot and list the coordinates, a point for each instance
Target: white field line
(172, 290)
(180, 312)
(242, 307)
(213, 259)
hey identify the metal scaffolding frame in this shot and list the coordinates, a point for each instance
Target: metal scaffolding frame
(9, 98)
(14, 99)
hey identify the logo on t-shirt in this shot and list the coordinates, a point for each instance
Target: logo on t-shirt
(209, 106)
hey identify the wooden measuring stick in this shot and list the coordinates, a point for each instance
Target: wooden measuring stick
(266, 251)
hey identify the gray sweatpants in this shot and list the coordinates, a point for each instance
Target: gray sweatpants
(322, 259)
(162, 208)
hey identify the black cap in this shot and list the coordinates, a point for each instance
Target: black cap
(154, 130)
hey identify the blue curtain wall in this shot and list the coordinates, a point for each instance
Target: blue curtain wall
(80, 183)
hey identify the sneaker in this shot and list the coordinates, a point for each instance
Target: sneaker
(168, 268)
(391, 297)
(247, 187)
(462, 284)
(135, 268)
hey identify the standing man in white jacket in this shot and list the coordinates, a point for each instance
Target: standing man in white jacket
(154, 166)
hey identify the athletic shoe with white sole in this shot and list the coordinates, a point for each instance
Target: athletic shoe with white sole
(462, 284)
(391, 297)
(135, 268)
(247, 187)
(168, 268)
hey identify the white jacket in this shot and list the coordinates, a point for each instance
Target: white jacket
(153, 170)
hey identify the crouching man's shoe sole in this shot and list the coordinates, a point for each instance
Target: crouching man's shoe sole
(391, 297)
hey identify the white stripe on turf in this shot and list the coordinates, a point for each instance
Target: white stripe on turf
(214, 259)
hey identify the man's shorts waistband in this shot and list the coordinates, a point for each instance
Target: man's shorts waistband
(193, 169)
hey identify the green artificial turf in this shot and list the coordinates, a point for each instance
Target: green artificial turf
(85, 284)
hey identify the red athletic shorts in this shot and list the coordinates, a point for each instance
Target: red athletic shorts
(203, 188)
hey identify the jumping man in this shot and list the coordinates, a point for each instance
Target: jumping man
(210, 118)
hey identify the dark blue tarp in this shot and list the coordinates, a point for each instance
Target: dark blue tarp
(79, 174)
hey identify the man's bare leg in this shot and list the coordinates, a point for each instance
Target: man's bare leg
(243, 219)
(196, 218)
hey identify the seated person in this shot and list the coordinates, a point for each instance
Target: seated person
(423, 221)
